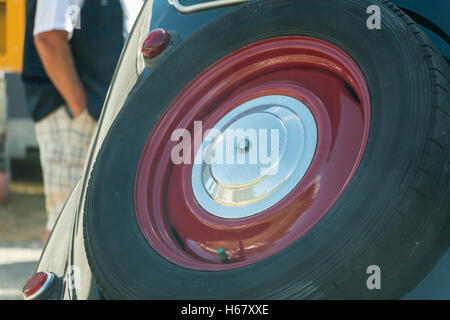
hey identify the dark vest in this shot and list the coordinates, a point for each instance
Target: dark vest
(96, 47)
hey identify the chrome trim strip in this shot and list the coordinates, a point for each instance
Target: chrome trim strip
(204, 6)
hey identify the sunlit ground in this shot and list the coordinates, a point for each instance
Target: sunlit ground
(22, 216)
(22, 225)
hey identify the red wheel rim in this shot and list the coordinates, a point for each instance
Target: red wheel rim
(313, 71)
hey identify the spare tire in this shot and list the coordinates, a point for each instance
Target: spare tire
(363, 177)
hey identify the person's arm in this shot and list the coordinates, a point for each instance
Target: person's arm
(57, 59)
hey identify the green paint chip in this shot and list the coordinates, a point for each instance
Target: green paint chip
(222, 254)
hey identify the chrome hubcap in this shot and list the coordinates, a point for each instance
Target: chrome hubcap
(254, 156)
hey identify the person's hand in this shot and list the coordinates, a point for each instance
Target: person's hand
(57, 58)
(78, 106)
(76, 111)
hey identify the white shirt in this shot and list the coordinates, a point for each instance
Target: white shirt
(64, 15)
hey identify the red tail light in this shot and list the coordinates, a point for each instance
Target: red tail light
(37, 285)
(155, 43)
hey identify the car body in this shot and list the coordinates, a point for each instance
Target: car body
(65, 254)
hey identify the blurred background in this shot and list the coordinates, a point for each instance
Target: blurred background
(22, 206)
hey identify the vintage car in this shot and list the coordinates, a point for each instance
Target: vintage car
(353, 206)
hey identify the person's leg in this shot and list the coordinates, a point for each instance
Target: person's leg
(63, 145)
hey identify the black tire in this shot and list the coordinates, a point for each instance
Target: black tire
(392, 214)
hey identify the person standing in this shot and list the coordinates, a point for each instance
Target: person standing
(70, 53)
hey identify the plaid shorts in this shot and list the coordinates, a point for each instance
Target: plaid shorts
(63, 145)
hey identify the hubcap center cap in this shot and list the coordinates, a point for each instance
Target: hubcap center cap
(254, 156)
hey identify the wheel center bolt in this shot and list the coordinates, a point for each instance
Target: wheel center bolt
(244, 145)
